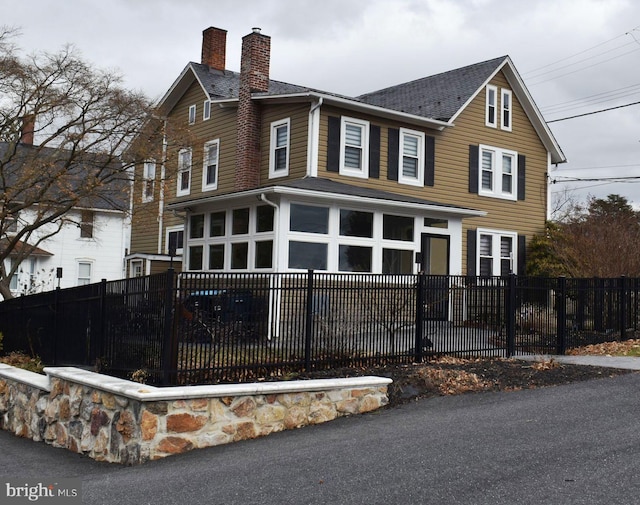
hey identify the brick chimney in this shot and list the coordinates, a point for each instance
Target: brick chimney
(254, 78)
(214, 48)
(27, 129)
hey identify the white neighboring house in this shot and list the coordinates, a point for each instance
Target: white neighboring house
(90, 246)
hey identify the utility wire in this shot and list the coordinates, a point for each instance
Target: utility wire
(593, 112)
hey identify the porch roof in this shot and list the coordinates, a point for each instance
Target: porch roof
(328, 189)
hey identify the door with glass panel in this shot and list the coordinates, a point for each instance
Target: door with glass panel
(435, 264)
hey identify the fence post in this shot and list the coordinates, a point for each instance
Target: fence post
(56, 326)
(102, 311)
(622, 302)
(418, 347)
(169, 338)
(308, 329)
(561, 303)
(511, 315)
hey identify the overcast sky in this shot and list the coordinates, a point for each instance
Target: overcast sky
(575, 56)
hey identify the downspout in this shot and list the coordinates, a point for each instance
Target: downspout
(275, 292)
(313, 139)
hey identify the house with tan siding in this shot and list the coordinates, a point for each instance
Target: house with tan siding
(445, 174)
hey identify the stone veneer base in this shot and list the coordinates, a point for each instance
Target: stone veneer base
(121, 421)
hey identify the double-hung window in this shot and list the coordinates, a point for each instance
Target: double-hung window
(354, 151)
(184, 172)
(412, 156)
(87, 218)
(496, 252)
(192, 114)
(498, 172)
(84, 273)
(210, 165)
(506, 108)
(206, 110)
(491, 118)
(279, 151)
(148, 180)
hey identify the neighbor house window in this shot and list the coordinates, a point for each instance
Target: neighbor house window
(148, 180)
(210, 165)
(206, 110)
(84, 273)
(86, 223)
(496, 252)
(354, 153)
(497, 172)
(192, 114)
(412, 157)
(506, 108)
(279, 151)
(491, 106)
(184, 172)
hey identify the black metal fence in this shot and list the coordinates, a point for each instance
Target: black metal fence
(196, 328)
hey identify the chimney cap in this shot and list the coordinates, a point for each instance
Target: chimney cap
(256, 29)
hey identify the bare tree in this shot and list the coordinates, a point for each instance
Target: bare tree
(599, 240)
(64, 127)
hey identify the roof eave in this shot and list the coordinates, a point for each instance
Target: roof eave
(354, 105)
(329, 196)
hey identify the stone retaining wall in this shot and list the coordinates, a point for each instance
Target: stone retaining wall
(125, 422)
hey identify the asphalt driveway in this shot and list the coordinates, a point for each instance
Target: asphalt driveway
(574, 444)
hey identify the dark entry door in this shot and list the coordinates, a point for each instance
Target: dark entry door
(435, 264)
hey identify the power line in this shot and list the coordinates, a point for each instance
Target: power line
(594, 112)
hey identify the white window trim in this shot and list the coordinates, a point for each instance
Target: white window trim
(132, 268)
(192, 114)
(171, 229)
(495, 253)
(179, 191)
(487, 122)
(205, 162)
(273, 173)
(206, 110)
(419, 179)
(497, 192)
(347, 171)
(147, 178)
(503, 93)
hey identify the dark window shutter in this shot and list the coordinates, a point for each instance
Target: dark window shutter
(474, 159)
(522, 255)
(429, 161)
(521, 176)
(374, 152)
(333, 144)
(394, 146)
(471, 252)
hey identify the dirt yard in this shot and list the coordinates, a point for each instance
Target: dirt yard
(452, 376)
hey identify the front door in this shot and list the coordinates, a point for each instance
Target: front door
(435, 264)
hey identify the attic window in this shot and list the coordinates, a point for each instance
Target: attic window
(192, 114)
(206, 110)
(506, 110)
(491, 107)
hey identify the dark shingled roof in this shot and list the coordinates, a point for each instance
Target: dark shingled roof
(329, 186)
(438, 96)
(225, 84)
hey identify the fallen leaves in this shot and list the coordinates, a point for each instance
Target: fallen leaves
(624, 348)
